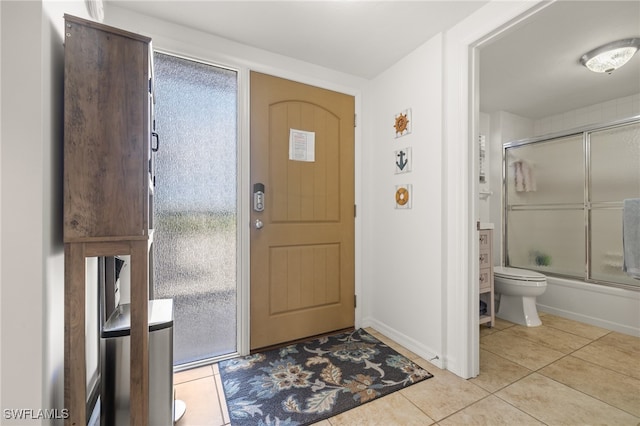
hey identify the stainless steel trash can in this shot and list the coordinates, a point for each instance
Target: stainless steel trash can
(115, 365)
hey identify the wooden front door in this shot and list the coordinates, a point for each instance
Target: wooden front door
(302, 242)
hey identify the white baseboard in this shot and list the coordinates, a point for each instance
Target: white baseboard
(414, 346)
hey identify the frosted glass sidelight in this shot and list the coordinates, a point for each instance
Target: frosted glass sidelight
(615, 164)
(195, 204)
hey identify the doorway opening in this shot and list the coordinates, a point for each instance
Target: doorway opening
(195, 204)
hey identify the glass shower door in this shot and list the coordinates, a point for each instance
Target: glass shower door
(545, 206)
(195, 204)
(564, 199)
(615, 176)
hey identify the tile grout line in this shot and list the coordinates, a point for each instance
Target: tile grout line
(517, 408)
(490, 393)
(531, 372)
(194, 378)
(564, 331)
(581, 391)
(493, 393)
(222, 409)
(538, 371)
(578, 335)
(222, 398)
(586, 394)
(191, 380)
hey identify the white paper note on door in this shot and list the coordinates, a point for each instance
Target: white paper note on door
(302, 145)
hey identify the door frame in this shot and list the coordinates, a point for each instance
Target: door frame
(243, 188)
(245, 194)
(460, 130)
(242, 212)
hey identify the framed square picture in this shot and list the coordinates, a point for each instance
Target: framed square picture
(403, 160)
(402, 123)
(404, 196)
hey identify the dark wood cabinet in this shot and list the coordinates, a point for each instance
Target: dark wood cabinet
(108, 190)
(107, 133)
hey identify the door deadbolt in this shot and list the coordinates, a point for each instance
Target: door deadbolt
(258, 197)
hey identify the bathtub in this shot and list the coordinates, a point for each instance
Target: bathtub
(612, 308)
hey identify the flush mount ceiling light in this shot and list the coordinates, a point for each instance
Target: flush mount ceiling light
(611, 56)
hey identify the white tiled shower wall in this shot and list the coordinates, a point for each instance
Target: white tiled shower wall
(603, 112)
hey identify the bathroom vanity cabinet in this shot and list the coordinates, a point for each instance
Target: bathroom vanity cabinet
(485, 277)
(108, 191)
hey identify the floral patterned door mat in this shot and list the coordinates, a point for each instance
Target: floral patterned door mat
(310, 381)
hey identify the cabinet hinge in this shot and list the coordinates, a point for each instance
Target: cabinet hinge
(355, 120)
(355, 303)
(355, 210)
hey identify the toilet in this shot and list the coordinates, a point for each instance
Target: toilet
(518, 289)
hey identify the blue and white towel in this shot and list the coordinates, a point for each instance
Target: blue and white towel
(631, 237)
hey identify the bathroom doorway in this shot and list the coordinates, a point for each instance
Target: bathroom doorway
(515, 68)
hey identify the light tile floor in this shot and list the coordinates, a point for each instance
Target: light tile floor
(561, 373)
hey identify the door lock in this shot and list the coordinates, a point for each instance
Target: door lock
(258, 197)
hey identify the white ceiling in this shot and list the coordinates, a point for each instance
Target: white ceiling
(361, 38)
(534, 70)
(531, 70)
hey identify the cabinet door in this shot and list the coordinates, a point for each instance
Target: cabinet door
(106, 149)
(485, 280)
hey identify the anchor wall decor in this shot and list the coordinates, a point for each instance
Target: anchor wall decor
(403, 160)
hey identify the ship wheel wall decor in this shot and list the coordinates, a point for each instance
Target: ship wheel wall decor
(402, 123)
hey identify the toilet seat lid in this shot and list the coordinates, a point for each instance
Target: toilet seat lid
(518, 274)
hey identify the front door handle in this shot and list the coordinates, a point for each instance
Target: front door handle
(258, 224)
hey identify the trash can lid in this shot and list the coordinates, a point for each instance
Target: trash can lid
(119, 323)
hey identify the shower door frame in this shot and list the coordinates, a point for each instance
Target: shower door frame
(587, 206)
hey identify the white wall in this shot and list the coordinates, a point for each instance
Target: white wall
(436, 240)
(402, 247)
(1, 207)
(31, 203)
(484, 207)
(22, 208)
